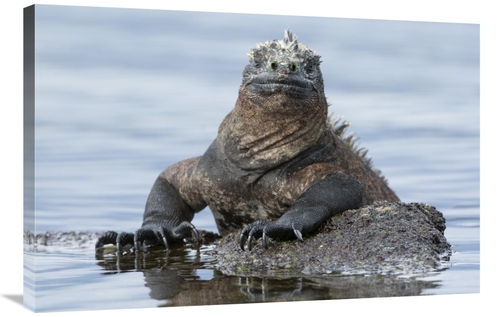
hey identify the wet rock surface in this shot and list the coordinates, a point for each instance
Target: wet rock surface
(59, 241)
(382, 238)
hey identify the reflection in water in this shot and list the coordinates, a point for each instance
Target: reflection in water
(187, 277)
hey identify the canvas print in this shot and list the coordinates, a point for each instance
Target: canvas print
(176, 158)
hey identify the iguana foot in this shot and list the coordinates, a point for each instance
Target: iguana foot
(111, 237)
(266, 229)
(152, 234)
(162, 235)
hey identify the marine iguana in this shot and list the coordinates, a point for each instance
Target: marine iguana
(278, 168)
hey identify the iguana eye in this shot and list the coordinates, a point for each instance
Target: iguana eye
(273, 66)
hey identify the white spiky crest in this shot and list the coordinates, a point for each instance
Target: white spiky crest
(288, 45)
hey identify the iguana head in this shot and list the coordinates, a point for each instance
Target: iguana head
(281, 108)
(283, 66)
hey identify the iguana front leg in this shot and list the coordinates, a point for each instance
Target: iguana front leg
(334, 194)
(168, 215)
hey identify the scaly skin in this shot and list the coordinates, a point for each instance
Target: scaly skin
(277, 168)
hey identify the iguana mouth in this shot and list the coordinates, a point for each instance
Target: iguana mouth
(265, 84)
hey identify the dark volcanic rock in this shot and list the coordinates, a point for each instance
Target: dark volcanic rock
(380, 238)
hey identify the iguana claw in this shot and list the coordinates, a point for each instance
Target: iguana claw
(253, 230)
(112, 237)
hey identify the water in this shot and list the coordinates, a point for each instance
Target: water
(122, 94)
